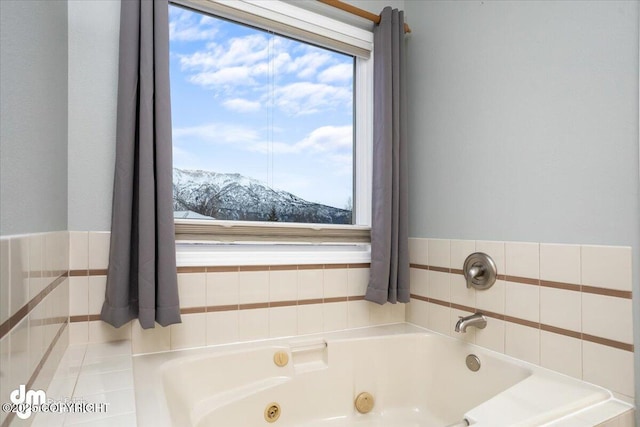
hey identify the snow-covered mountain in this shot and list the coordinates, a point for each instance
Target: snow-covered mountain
(237, 197)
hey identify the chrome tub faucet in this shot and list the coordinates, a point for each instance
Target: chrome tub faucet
(476, 320)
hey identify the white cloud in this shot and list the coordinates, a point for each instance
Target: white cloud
(242, 105)
(187, 26)
(329, 138)
(231, 76)
(306, 98)
(217, 133)
(336, 73)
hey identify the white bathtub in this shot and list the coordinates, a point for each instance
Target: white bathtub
(417, 378)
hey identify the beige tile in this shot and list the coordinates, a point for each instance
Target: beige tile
(19, 273)
(223, 288)
(495, 250)
(460, 250)
(398, 312)
(561, 353)
(99, 249)
(469, 335)
(439, 287)
(439, 318)
(492, 299)
(253, 324)
(358, 279)
(607, 317)
(283, 321)
(607, 267)
(561, 308)
(78, 296)
(283, 285)
(37, 280)
(222, 327)
(100, 331)
(522, 259)
(253, 286)
(418, 250)
(192, 332)
(335, 316)
(357, 314)
(78, 333)
(335, 282)
(5, 278)
(150, 340)
(380, 314)
(560, 263)
(417, 313)
(19, 371)
(522, 301)
(192, 289)
(493, 336)
(439, 252)
(419, 280)
(608, 367)
(522, 342)
(78, 250)
(37, 345)
(97, 287)
(460, 294)
(310, 319)
(310, 284)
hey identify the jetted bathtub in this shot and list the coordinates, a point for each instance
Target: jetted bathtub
(414, 377)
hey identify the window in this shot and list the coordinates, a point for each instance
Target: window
(269, 114)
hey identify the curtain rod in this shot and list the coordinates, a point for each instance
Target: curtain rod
(359, 12)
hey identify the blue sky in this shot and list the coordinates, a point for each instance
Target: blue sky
(261, 105)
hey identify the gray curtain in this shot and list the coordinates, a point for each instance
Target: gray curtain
(389, 281)
(141, 279)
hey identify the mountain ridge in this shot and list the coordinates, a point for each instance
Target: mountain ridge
(237, 197)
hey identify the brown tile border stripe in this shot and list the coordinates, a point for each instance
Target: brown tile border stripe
(524, 280)
(222, 269)
(282, 267)
(607, 292)
(253, 268)
(523, 322)
(182, 270)
(335, 299)
(538, 282)
(360, 265)
(608, 342)
(335, 266)
(216, 308)
(94, 317)
(356, 298)
(193, 310)
(282, 303)
(310, 301)
(456, 271)
(560, 331)
(81, 318)
(23, 312)
(531, 324)
(253, 306)
(78, 273)
(311, 267)
(560, 285)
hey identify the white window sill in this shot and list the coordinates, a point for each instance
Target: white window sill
(198, 254)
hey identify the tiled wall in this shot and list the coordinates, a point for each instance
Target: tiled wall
(228, 304)
(34, 310)
(564, 307)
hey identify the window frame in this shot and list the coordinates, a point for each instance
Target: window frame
(310, 27)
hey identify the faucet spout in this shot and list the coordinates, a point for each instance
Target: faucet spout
(476, 320)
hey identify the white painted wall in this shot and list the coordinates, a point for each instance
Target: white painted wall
(93, 88)
(33, 111)
(523, 123)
